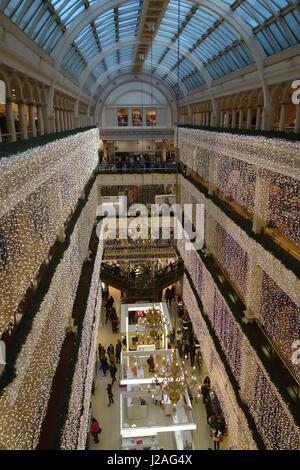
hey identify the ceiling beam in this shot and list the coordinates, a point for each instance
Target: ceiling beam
(153, 12)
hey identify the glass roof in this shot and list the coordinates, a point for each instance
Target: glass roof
(206, 42)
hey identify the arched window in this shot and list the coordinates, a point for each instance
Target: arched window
(123, 117)
(137, 118)
(151, 117)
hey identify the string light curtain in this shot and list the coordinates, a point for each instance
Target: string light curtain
(239, 434)
(280, 317)
(77, 424)
(23, 403)
(233, 162)
(243, 360)
(258, 255)
(38, 190)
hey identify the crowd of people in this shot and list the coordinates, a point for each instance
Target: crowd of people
(111, 314)
(111, 356)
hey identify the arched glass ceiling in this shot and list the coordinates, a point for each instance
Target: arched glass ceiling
(205, 38)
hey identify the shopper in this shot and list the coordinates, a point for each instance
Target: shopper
(151, 364)
(167, 295)
(118, 351)
(207, 381)
(95, 430)
(108, 314)
(110, 394)
(110, 350)
(180, 348)
(101, 350)
(172, 294)
(113, 370)
(192, 354)
(186, 349)
(205, 389)
(104, 364)
(216, 437)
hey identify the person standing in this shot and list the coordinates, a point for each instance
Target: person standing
(95, 430)
(110, 394)
(151, 364)
(118, 351)
(113, 370)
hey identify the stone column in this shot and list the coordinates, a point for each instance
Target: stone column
(282, 117)
(266, 120)
(249, 118)
(207, 118)
(10, 122)
(190, 114)
(32, 119)
(57, 120)
(233, 120)
(221, 118)
(44, 110)
(40, 120)
(261, 202)
(297, 120)
(241, 118)
(61, 120)
(227, 120)
(258, 118)
(22, 117)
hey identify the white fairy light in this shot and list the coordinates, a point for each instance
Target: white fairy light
(243, 360)
(38, 190)
(23, 403)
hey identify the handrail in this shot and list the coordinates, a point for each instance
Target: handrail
(287, 135)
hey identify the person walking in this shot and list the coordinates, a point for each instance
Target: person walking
(95, 430)
(113, 370)
(180, 348)
(101, 350)
(104, 364)
(216, 437)
(186, 349)
(192, 354)
(110, 350)
(118, 351)
(110, 394)
(108, 314)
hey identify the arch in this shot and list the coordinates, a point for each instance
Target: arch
(36, 95)
(232, 18)
(117, 46)
(127, 78)
(5, 78)
(116, 67)
(16, 89)
(27, 92)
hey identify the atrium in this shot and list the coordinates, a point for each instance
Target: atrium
(149, 225)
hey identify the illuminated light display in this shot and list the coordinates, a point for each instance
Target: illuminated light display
(38, 190)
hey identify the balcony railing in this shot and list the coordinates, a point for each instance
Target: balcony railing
(147, 167)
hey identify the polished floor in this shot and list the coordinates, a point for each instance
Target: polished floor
(109, 417)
